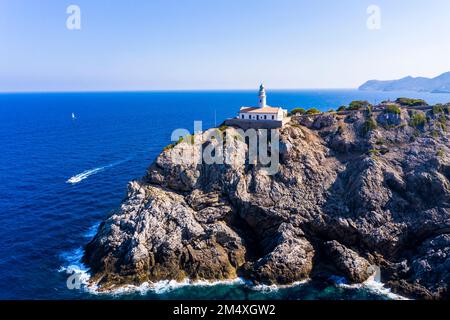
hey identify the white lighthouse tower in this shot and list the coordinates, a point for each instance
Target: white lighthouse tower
(262, 96)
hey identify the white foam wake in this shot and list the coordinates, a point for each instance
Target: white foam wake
(80, 177)
(85, 174)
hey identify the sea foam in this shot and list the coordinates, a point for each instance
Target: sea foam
(375, 285)
(73, 265)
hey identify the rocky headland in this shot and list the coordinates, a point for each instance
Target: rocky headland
(354, 190)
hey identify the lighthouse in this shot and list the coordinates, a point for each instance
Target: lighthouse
(262, 96)
(262, 111)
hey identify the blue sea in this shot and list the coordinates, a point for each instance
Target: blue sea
(60, 177)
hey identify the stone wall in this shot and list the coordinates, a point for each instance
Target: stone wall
(255, 124)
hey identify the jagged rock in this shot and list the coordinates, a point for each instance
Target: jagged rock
(191, 219)
(353, 267)
(324, 121)
(389, 119)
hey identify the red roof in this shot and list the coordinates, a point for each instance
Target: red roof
(259, 110)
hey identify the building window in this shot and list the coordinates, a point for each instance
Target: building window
(265, 117)
(242, 116)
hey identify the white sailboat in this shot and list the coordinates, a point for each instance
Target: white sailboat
(73, 116)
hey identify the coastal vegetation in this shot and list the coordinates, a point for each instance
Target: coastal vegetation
(411, 102)
(358, 105)
(299, 111)
(313, 111)
(369, 125)
(188, 139)
(302, 111)
(418, 120)
(437, 109)
(392, 108)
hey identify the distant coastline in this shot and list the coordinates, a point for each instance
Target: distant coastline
(439, 84)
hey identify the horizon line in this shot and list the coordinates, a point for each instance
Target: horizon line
(162, 90)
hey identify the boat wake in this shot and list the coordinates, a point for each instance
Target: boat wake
(86, 174)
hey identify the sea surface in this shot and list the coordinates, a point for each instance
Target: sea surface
(61, 176)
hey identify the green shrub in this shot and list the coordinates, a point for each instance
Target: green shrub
(446, 108)
(341, 108)
(358, 104)
(313, 111)
(411, 102)
(437, 109)
(369, 125)
(180, 140)
(392, 108)
(442, 122)
(331, 110)
(298, 111)
(223, 128)
(189, 139)
(440, 153)
(417, 120)
(168, 147)
(435, 134)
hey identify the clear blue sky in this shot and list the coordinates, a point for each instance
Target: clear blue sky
(218, 44)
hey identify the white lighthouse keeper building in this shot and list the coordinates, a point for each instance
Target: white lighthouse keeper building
(263, 112)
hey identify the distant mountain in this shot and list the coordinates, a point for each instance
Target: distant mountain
(440, 84)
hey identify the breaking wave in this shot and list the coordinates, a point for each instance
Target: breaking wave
(73, 266)
(375, 285)
(165, 286)
(271, 288)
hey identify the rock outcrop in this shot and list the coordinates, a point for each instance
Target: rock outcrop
(346, 197)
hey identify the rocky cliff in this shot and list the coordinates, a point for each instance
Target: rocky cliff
(353, 191)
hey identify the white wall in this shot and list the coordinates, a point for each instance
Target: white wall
(277, 116)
